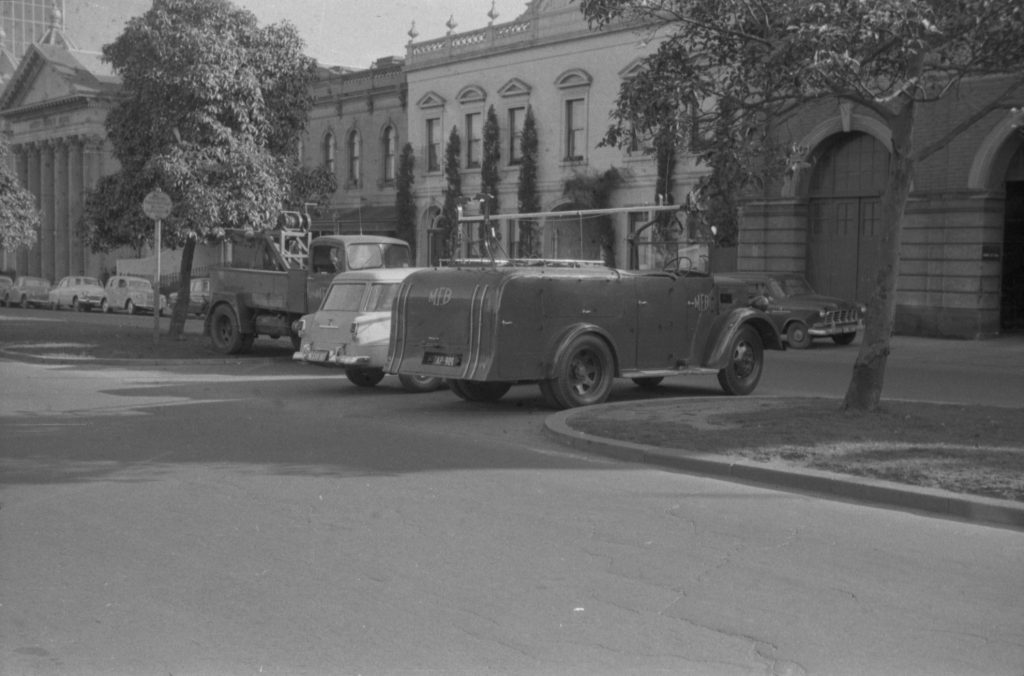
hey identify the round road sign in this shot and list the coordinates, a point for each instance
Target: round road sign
(157, 204)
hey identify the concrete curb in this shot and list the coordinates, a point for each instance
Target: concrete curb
(17, 355)
(945, 504)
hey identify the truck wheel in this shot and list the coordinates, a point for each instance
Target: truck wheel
(420, 383)
(472, 390)
(584, 373)
(364, 377)
(746, 361)
(225, 334)
(797, 336)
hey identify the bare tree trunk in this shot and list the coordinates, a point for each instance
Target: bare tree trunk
(865, 390)
(180, 310)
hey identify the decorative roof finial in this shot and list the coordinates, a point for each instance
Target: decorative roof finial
(451, 24)
(493, 14)
(413, 33)
(55, 17)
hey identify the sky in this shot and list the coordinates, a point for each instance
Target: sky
(358, 32)
(352, 33)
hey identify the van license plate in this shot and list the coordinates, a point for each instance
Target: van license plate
(441, 359)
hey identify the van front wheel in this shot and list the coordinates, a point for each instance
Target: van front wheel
(746, 361)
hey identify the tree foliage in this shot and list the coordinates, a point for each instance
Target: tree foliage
(405, 199)
(453, 193)
(19, 218)
(526, 192)
(211, 112)
(734, 73)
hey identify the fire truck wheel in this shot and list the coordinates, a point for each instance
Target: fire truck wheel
(746, 361)
(420, 383)
(364, 377)
(471, 390)
(797, 336)
(224, 331)
(584, 373)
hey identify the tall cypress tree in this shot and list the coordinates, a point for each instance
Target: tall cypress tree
(529, 200)
(405, 206)
(490, 175)
(453, 193)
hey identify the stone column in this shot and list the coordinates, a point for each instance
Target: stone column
(92, 171)
(61, 227)
(36, 254)
(49, 238)
(76, 205)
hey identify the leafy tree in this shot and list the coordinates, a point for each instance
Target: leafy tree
(453, 194)
(490, 171)
(528, 197)
(212, 109)
(740, 69)
(405, 203)
(19, 218)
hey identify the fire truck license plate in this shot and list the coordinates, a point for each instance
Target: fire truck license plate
(317, 355)
(440, 359)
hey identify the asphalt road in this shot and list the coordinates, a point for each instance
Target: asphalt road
(270, 518)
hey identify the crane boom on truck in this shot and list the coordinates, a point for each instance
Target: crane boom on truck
(273, 277)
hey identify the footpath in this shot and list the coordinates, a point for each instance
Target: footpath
(573, 428)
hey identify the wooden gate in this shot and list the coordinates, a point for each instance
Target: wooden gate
(844, 231)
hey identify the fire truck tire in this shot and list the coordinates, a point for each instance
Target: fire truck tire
(420, 383)
(472, 390)
(746, 361)
(364, 377)
(584, 373)
(797, 336)
(225, 333)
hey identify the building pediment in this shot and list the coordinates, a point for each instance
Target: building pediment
(49, 75)
(431, 100)
(514, 87)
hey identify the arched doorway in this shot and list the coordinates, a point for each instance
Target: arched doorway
(844, 230)
(1011, 316)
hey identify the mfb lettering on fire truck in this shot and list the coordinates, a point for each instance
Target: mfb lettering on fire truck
(573, 330)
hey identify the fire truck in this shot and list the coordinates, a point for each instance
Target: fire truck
(273, 277)
(572, 327)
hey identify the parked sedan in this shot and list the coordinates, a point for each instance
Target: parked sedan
(131, 294)
(352, 328)
(198, 296)
(798, 312)
(28, 292)
(77, 292)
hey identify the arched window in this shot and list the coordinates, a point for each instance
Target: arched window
(355, 149)
(328, 151)
(390, 151)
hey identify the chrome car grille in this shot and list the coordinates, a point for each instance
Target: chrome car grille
(842, 317)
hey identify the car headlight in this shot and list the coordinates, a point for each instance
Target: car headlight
(298, 326)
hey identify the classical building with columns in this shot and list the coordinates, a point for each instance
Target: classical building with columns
(54, 107)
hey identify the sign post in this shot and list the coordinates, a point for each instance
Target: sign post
(157, 205)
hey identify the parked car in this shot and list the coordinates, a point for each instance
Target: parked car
(799, 313)
(28, 292)
(77, 292)
(352, 328)
(198, 296)
(131, 294)
(5, 284)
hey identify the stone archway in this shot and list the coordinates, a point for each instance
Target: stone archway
(843, 230)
